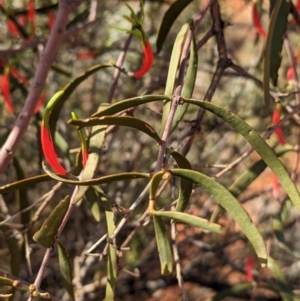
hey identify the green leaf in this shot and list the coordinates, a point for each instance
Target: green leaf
(92, 197)
(231, 205)
(283, 287)
(46, 236)
(273, 45)
(259, 144)
(190, 220)
(172, 72)
(67, 91)
(188, 85)
(97, 181)
(112, 258)
(129, 103)
(96, 140)
(163, 246)
(170, 16)
(24, 183)
(186, 186)
(155, 180)
(65, 269)
(120, 121)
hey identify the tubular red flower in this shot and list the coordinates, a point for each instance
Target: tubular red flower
(249, 268)
(49, 151)
(31, 15)
(85, 156)
(147, 61)
(40, 102)
(6, 92)
(86, 55)
(275, 120)
(256, 21)
(50, 19)
(275, 186)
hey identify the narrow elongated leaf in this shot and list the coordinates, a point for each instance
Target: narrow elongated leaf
(98, 181)
(189, 84)
(92, 197)
(190, 220)
(24, 183)
(111, 255)
(163, 246)
(46, 236)
(259, 144)
(283, 287)
(186, 186)
(172, 72)
(120, 121)
(68, 90)
(273, 45)
(279, 12)
(156, 178)
(231, 205)
(169, 18)
(129, 103)
(66, 269)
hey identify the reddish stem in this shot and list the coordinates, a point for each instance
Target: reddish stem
(256, 21)
(49, 151)
(147, 61)
(6, 92)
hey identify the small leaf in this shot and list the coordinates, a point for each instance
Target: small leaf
(190, 220)
(186, 186)
(231, 205)
(46, 236)
(156, 178)
(65, 269)
(163, 246)
(170, 16)
(121, 121)
(129, 103)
